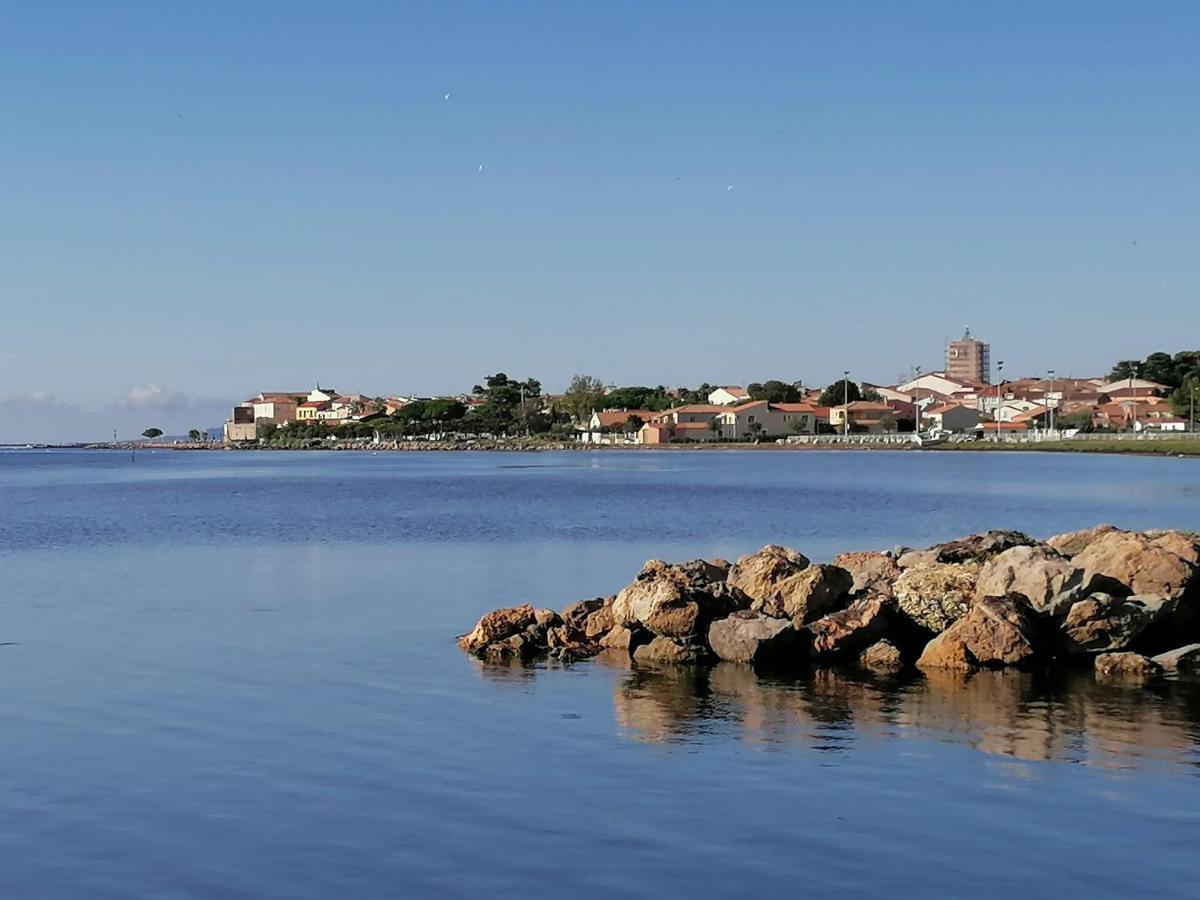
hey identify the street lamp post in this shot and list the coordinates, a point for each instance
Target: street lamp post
(846, 403)
(999, 384)
(1192, 409)
(1053, 401)
(917, 407)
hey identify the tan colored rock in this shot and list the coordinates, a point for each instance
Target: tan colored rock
(677, 600)
(910, 559)
(599, 621)
(1182, 659)
(619, 638)
(497, 625)
(576, 614)
(663, 650)
(934, 595)
(850, 630)
(546, 618)
(873, 572)
(882, 657)
(1103, 623)
(1125, 562)
(1049, 581)
(1073, 542)
(1126, 667)
(978, 548)
(1183, 545)
(816, 591)
(750, 637)
(764, 576)
(995, 632)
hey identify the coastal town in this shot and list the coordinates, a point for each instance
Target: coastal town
(967, 398)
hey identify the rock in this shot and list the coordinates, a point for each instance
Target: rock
(517, 646)
(850, 630)
(1102, 623)
(575, 614)
(995, 632)
(665, 650)
(750, 637)
(1183, 545)
(1125, 562)
(807, 594)
(677, 601)
(1073, 542)
(882, 656)
(1126, 667)
(979, 547)
(496, 626)
(764, 576)
(567, 643)
(934, 595)
(1183, 659)
(599, 621)
(1050, 582)
(872, 572)
(546, 618)
(619, 638)
(912, 558)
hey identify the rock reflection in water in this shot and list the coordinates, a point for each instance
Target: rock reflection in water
(1022, 715)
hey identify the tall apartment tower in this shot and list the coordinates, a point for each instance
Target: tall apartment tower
(969, 359)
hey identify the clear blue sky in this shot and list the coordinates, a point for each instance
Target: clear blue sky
(202, 201)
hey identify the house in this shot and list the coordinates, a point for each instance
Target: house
(276, 407)
(728, 395)
(241, 425)
(1011, 409)
(760, 419)
(606, 423)
(954, 417)
(666, 432)
(887, 393)
(1126, 388)
(935, 381)
(864, 416)
(689, 413)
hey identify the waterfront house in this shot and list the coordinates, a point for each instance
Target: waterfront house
(955, 417)
(611, 425)
(865, 416)
(728, 395)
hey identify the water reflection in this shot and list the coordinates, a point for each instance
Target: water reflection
(1027, 716)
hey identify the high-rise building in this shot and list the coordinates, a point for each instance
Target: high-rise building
(968, 359)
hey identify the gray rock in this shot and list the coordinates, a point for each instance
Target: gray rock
(1182, 659)
(749, 637)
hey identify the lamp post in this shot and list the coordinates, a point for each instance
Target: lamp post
(917, 406)
(999, 384)
(846, 403)
(1133, 373)
(1192, 409)
(1052, 400)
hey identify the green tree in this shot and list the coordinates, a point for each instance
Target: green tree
(195, 435)
(714, 425)
(869, 393)
(840, 392)
(152, 433)
(1125, 369)
(634, 424)
(584, 394)
(775, 391)
(1182, 397)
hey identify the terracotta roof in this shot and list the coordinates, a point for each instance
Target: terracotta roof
(694, 408)
(610, 417)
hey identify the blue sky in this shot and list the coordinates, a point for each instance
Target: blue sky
(203, 202)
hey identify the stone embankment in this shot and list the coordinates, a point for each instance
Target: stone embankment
(1125, 603)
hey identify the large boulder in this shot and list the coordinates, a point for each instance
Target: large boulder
(872, 572)
(1181, 659)
(1126, 667)
(1101, 623)
(665, 651)
(750, 637)
(1071, 543)
(995, 632)
(807, 595)
(677, 601)
(1049, 581)
(882, 657)
(765, 576)
(974, 548)
(934, 595)
(852, 629)
(577, 613)
(497, 625)
(1126, 562)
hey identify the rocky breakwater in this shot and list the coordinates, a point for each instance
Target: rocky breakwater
(1125, 603)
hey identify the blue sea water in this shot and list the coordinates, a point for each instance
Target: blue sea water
(233, 675)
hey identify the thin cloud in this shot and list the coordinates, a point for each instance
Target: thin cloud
(152, 396)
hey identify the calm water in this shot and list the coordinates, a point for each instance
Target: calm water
(233, 675)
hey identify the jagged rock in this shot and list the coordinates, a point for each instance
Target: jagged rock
(1050, 582)
(496, 626)
(882, 656)
(765, 576)
(1071, 543)
(665, 650)
(873, 572)
(995, 632)
(575, 614)
(1102, 623)
(677, 601)
(750, 637)
(546, 618)
(622, 638)
(850, 630)
(807, 594)
(975, 548)
(1126, 667)
(599, 621)
(934, 595)
(1183, 545)
(910, 559)
(567, 643)
(1125, 562)
(1181, 659)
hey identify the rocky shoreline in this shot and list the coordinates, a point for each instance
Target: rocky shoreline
(1125, 603)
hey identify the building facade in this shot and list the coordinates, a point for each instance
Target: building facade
(968, 360)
